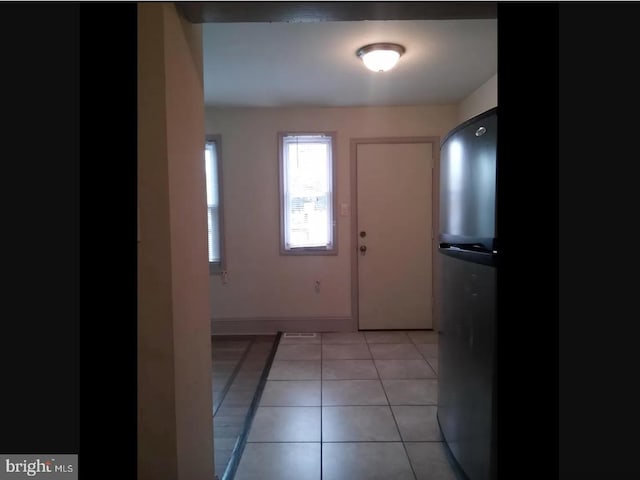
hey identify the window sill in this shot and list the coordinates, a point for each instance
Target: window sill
(308, 251)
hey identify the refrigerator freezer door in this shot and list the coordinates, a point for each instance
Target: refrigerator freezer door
(468, 181)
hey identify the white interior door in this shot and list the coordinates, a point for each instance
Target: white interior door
(394, 223)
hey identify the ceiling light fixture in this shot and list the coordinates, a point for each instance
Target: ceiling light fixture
(380, 57)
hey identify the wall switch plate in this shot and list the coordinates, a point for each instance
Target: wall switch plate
(344, 209)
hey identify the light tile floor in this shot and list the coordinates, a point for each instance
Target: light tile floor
(352, 406)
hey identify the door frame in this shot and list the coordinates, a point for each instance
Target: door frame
(435, 210)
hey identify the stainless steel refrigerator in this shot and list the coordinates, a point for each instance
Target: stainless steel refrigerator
(468, 254)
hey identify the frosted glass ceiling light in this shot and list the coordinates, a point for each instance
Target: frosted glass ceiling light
(380, 57)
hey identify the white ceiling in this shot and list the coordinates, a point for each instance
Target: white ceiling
(314, 64)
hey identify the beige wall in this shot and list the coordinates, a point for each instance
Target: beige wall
(262, 284)
(175, 436)
(481, 100)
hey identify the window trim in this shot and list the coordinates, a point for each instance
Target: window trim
(217, 268)
(334, 196)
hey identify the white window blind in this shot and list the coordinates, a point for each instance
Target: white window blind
(213, 201)
(307, 191)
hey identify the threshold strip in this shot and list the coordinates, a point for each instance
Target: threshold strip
(234, 460)
(232, 377)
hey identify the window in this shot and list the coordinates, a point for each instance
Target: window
(214, 202)
(307, 178)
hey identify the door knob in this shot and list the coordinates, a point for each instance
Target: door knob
(363, 249)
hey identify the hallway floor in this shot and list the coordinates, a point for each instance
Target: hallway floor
(349, 406)
(238, 365)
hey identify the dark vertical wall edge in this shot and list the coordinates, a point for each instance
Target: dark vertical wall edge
(527, 216)
(108, 49)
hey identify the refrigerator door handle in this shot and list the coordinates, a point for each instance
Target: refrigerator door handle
(466, 247)
(477, 255)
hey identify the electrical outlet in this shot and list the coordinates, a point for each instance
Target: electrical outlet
(317, 286)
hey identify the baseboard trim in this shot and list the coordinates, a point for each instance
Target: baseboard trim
(273, 325)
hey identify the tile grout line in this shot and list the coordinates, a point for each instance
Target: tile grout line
(288, 442)
(404, 447)
(356, 404)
